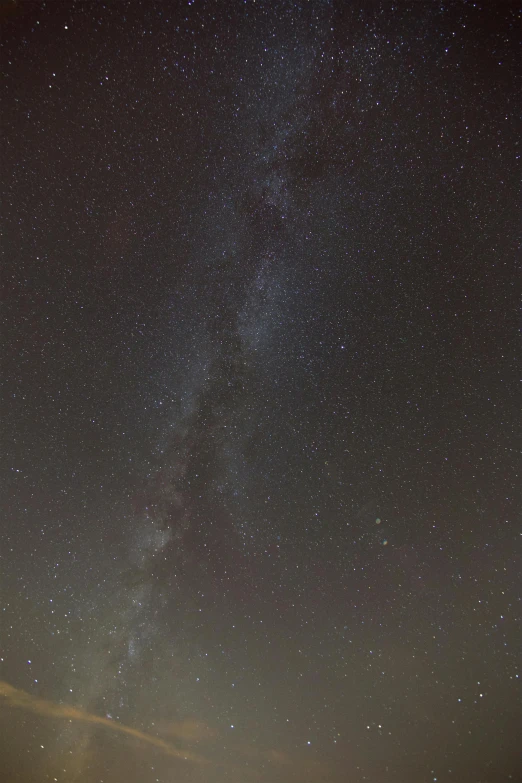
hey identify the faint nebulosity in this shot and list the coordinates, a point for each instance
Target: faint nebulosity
(259, 417)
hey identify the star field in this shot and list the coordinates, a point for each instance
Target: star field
(260, 427)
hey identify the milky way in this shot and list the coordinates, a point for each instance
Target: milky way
(259, 483)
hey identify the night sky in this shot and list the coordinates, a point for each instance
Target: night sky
(260, 510)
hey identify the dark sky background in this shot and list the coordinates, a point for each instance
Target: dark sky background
(260, 513)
